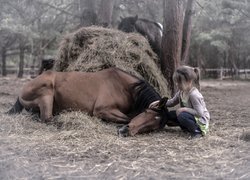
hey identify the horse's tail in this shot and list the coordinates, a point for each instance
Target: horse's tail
(16, 109)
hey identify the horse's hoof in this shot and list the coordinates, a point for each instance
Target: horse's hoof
(123, 131)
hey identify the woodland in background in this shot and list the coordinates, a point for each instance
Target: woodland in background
(31, 30)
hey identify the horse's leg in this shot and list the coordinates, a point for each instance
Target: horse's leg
(46, 108)
(112, 115)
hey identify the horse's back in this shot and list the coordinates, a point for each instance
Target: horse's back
(87, 91)
(77, 90)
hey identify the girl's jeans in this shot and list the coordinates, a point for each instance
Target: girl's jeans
(186, 121)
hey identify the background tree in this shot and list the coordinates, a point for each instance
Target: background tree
(36, 24)
(7, 39)
(221, 34)
(186, 35)
(172, 39)
(88, 12)
(105, 13)
(21, 41)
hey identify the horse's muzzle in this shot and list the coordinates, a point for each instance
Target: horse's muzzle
(123, 131)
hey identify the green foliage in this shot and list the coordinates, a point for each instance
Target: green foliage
(37, 23)
(220, 45)
(223, 26)
(203, 37)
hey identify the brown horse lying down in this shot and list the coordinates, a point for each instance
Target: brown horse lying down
(111, 94)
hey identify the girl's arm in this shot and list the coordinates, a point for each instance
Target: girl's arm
(198, 104)
(174, 101)
(186, 109)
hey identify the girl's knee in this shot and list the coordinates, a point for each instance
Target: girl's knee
(187, 121)
(183, 116)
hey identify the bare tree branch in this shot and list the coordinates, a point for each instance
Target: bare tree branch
(58, 9)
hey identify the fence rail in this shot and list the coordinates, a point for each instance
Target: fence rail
(27, 71)
(222, 73)
(226, 73)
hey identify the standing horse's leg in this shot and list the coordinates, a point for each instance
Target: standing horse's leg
(46, 108)
(112, 115)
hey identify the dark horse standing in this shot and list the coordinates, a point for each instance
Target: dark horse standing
(111, 94)
(149, 29)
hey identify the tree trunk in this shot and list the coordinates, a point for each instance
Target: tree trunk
(21, 59)
(37, 56)
(105, 13)
(232, 59)
(172, 39)
(3, 52)
(87, 11)
(187, 32)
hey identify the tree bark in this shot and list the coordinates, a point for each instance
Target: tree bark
(172, 39)
(87, 11)
(21, 58)
(3, 53)
(232, 58)
(187, 32)
(105, 13)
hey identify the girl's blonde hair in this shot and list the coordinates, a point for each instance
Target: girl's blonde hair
(184, 74)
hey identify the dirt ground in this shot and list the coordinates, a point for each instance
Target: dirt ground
(80, 147)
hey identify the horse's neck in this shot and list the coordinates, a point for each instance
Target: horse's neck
(149, 28)
(159, 25)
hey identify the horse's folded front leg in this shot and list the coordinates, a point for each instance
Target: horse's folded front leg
(112, 115)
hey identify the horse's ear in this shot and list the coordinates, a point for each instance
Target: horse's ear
(134, 19)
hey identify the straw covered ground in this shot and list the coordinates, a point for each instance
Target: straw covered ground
(82, 147)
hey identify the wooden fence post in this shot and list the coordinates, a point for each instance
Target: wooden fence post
(221, 73)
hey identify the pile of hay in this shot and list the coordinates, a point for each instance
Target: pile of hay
(92, 49)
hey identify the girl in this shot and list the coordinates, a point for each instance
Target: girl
(192, 116)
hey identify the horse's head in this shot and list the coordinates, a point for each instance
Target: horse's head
(128, 24)
(150, 119)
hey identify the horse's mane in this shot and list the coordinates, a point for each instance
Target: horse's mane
(144, 95)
